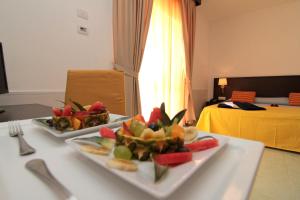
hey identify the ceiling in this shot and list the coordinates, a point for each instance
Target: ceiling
(218, 9)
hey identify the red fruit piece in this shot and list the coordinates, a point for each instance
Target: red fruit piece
(57, 112)
(155, 116)
(126, 130)
(81, 114)
(173, 158)
(202, 145)
(107, 133)
(97, 106)
(67, 110)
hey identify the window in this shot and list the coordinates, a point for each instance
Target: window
(162, 74)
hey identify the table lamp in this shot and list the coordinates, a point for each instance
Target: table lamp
(222, 83)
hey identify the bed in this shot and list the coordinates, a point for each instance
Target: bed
(277, 127)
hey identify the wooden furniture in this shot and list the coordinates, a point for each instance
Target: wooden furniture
(265, 86)
(88, 86)
(24, 111)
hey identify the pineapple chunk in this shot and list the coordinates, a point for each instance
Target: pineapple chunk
(147, 134)
(76, 123)
(177, 131)
(160, 133)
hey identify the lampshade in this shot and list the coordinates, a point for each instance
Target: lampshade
(222, 81)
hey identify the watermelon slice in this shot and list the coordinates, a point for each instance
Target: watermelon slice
(202, 145)
(155, 116)
(173, 158)
(97, 106)
(107, 133)
(67, 110)
(57, 112)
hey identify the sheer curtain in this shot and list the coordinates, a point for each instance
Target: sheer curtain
(163, 70)
(131, 20)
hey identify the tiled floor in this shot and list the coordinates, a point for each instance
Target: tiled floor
(278, 176)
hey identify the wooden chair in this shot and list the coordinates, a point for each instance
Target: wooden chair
(88, 86)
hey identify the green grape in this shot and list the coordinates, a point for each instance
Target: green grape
(122, 152)
(137, 128)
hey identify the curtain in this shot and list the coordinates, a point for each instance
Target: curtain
(188, 9)
(163, 71)
(131, 20)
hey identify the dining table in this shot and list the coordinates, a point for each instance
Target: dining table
(23, 111)
(228, 175)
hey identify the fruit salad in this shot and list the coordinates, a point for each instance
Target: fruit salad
(159, 135)
(75, 116)
(161, 140)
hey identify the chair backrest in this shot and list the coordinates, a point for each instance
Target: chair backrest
(88, 86)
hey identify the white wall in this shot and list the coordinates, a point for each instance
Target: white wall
(262, 42)
(41, 42)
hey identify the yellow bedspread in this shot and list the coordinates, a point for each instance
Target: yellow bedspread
(277, 127)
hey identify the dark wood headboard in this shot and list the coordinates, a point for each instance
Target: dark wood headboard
(265, 86)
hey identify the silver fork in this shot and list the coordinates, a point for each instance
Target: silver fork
(14, 129)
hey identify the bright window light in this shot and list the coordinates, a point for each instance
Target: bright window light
(162, 74)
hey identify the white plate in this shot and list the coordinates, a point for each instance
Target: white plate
(144, 177)
(66, 134)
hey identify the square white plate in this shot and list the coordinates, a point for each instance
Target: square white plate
(144, 177)
(65, 134)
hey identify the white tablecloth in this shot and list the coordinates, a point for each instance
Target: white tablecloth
(228, 175)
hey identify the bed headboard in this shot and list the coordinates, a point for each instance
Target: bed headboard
(265, 86)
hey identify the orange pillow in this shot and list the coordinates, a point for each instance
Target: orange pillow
(243, 96)
(294, 99)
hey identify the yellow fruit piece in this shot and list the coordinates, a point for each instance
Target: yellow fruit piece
(177, 131)
(87, 107)
(147, 134)
(128, 122)
(160, 133)
(94, 150)
(139, 118)
(76, 123)
(190, 133)
(125, 165)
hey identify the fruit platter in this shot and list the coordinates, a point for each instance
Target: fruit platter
(70, 118)
(75, 119)
(156, 156)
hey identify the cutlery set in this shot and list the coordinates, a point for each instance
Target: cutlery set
(39, 166)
